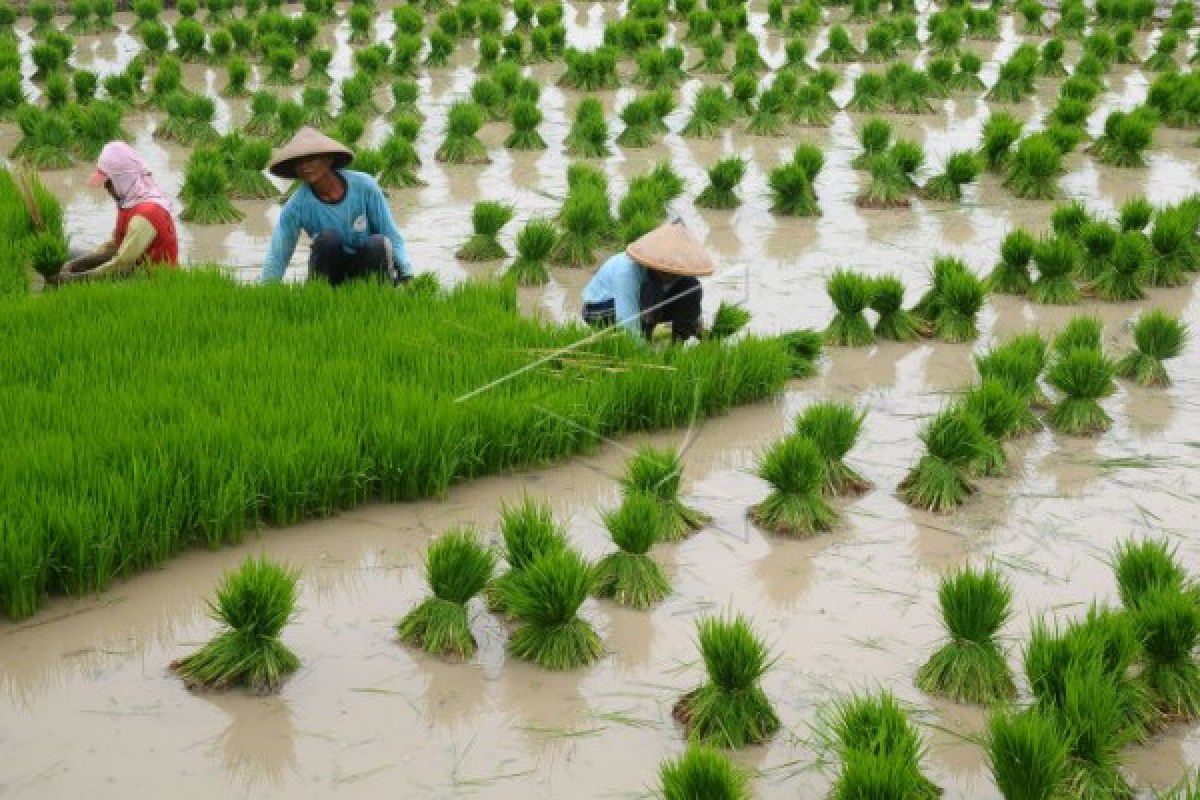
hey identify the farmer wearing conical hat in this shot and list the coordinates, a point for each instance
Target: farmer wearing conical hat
(655, 281)
(343, 212)
(145, 229)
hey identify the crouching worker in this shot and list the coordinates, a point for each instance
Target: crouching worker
(343, 212)
(654, 281)
(145, 230)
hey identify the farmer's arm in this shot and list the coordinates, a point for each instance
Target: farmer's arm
(138, 238)
(380, 218)
(627, 293)
(283, 244)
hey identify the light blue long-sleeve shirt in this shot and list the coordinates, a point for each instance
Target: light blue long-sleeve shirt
(619, 279)
(362, 212)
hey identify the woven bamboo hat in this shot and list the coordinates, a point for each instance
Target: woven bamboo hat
(308, 142)
(672, 249)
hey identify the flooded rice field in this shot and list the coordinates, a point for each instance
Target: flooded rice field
(87, 705)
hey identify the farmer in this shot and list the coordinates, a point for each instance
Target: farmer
(654, 281)
(343, 212)
(145, 229)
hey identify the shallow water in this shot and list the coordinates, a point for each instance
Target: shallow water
(87, 704)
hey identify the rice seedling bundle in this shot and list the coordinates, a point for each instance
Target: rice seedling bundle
(810, 105)
(1084, 376)
(1125, 271)
(1026, 754)
(1141, 566)
(941, 481)
(1056, 258)
(840, 49)
(45, 139)
(264, 108)
(12, 93)
(792, 192)
(907, 90)
(1034, 168)
(804, 348)
(970, 667)
(1002, 413)
(534, 243)
(588, 136)
(659, 473)
(1167, 621)
(630, 576)
(1158, 337)
(946, 30)
(1081, 331)
(1011, 273)
(1091, 719)
(743, 92)
(584, 219)
(94, 124)
(767, 118)
(461, 145)
(1000, 132)
(248, 160)
(1098, 239)
(895, 323)
(1126, 137)
(834, 428)
(205, 190)
(1163, 57)
(1172, 251)
(961, 168)
(795, 469)
(929, 306)
(81, 17)
(457, 568)
(960, 298)
(590, 70)
(728, 321)
(889, 186)
(253, 605)
(851, 294)
(868, 94)
(702, 773)
(723, 177)
(545, 598)
(729, 709)
(879, 749)
(875, 136)
(638, 117)
(883, 38)
(746, 58)
(710, 113)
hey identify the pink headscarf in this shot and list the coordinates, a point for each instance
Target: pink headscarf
(131, 178)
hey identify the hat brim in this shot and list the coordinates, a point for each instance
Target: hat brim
(287, 169)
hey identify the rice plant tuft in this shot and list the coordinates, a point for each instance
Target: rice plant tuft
(457, 567)
(834, 428)
(851, 294)
(1158, 337)
(795, 469)
(630, 576)
(545, 598)
(487, 218)
(702, 773)
(941, 481)
(659, 474)
(1027, 754)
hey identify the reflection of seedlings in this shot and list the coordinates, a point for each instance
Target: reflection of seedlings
(1027, 754)
(834, 428)
(545, 599)
(461, 145)
(659, 473)
(1158, 337)
(630, 576)
(795, 468)
(1011, 274)
(723, 178)
(487, 218)
(730, 709)
(851, 294)
(1083, 376)
(895, 322)
(961, 168)
(941, 479)
(1055, 258)
(529, 530)
(1000, 411)
(878, 747)
(970, 667)
(702, 772)
(874, 137)
(457, 567)
(1168, 622)
(534, 243)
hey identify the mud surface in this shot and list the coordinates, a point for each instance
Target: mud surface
(88, 707)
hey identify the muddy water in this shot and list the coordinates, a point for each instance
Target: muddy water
(88, 706)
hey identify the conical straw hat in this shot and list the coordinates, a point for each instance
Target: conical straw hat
(308, 142)
(672, 249)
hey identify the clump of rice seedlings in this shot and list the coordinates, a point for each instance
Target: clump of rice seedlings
(12, 93)
(840, 50)
(488, 95)
(1027, 754)
(1163, 57)
(1140, 566)
(834, 428)
(315, 100)
(930, 304)
(253, 605)
(588, 137)
(1032, 12)
(879, 748)
(1011, 273)
(767, 119)
(534, 243)
(487, 218)
(851, 294)
(528, 530)
(1098, 239)
(730, 709)
(1055, 257)
(1001, 412)
(970, 667)
(319, 60)
(1124, 271)
(545, 598)
(1091, 720)
(710, 113)
(907, 90)
(461, 145)
(746, 58)
(966, 78)
(883, 39)
(237, 73)
(1034, 168)
(1000, 132)
(205, 190)
(1070, 219)
(791, 185)
(1123, 38)
(46, 139)
(399, 160)
(405, 94)
(804, 348)
(1135, 214)
(889, 186)
(590, 70)
(881, 775)
(941, 75)
(723, 179)
(47, 252)
(1158, 337)
(638, 117)
(584, 219)
(875, 136)
(457, 567)
(960, 297)
(941, 480)
(1081, 331)
(1083, 375)
(630, 576)
(868, 94)
(745, 89)
(1126, 137)
(658, 473)
(795, 469)
(961, 168)
(1167, 621)
(895, 323)
(248, 160)
(525, 119)
(702, 772)
(946, 30)
(264, 109)
(1050, 62)
(728, 321)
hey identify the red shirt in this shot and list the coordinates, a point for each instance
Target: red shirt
(165, 247)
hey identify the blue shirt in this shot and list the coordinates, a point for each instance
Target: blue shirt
(362, 211)
(619, 279)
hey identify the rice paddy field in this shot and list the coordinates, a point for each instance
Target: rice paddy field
(296, 542)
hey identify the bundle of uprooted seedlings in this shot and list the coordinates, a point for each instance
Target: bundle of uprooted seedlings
(659, 474)
(1174, 252)
(205, 190)
(1126, 136)
(723, 179)
(461, 145)
(795, 469)
(638, 116)
(970, 667)
(1083, 375)
(1123, 273)
(1098, 238)
(1163, 57)
(767, 119)
(1000, 132)
(791, 186)
(525, 119)
(879, 748)
(941, 480)
(840, 50)
(804, 348)
(264, 108)
(907, 90)
(544, 598)
(1140, 566)
(253, 605)
(961, 168)
(1016, 76)
(929, 306)
(702, 773)
(1034, 168)
(247, 173)
(630, 576)
(1011, 273)
(834, 428)
(967, 79)
(1026, 754)
(528, 530)
(399, 160)
(851, 294)
(729, 709)
(1001, 412)
(889, 186)
(728, 321)
(960, 298)
(487, 218)
(1055, 258)
(488, 95)
(868, 94)
(584, 218)
(1158, 337)
(457, 567)
(712, 56)
(895, 322)
(875, 136)
(1080, 331)
(1050, 60)
(315, 100)
(711, 111)
(534, 243)
(1167, 620)
(1018, 363)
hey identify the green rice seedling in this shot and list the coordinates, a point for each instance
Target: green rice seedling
(941, 76)
(12, 94)
(1135, 214)
(743, 92)
(1158, 337)
(792, 192)
(264, 109)
(1081, 331)
(1125, 271)
(868, 94)
(1091, 720)
(795, 469)
(1070, 112)
(630, 576)
(1123, 38)
(57, 92)
(930, 304)
(889, 186)
(42, 13)
(237, 73)
(316, 106)
(545, 598)
(248, 160)
(1001, 411)
(941, 481)
(1011, 273)
(946, 31)
(46, 138)
(95, 124)
(1032, 12)
(961, 168)
(1073, 17)
(907, 90)
(487, 218)
(659, 473)
(710, 113)
(638, 117)
(319, 60)
(348, 128)
(1026, 754)
(702, 772)
(81, 17)
(534, 243)
(1083, 376)
(767, 118)
(1126, 137)
(895, 323)
(1098, 238)
(851, 294)
(358, 95)
(441, 47)
(528, 530)
(488, 95)
(590, 70)
(588, 137)
(205, 190)
(584, 218)
(967, 79)
(47, 60)
(728, 321)
(882, 41)
(1056, 258)
(723, 179)
(873, 731)
(834, 428)
(1070, 219)
(746, 58)
(970, 667)
(47, 252)
(729, 709)
(879, 775)
(875, 136)
(1172, 251)
(461, 145)
(840, 50)
(405, 94)
(1034, 168)
(526, 116)
(281, 61)
(253, 605)
(1050, 62)
(1163, 57)
(1141, 566)
(457, 567)
(1167, 621)
(804, 348)
(1000, 132)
